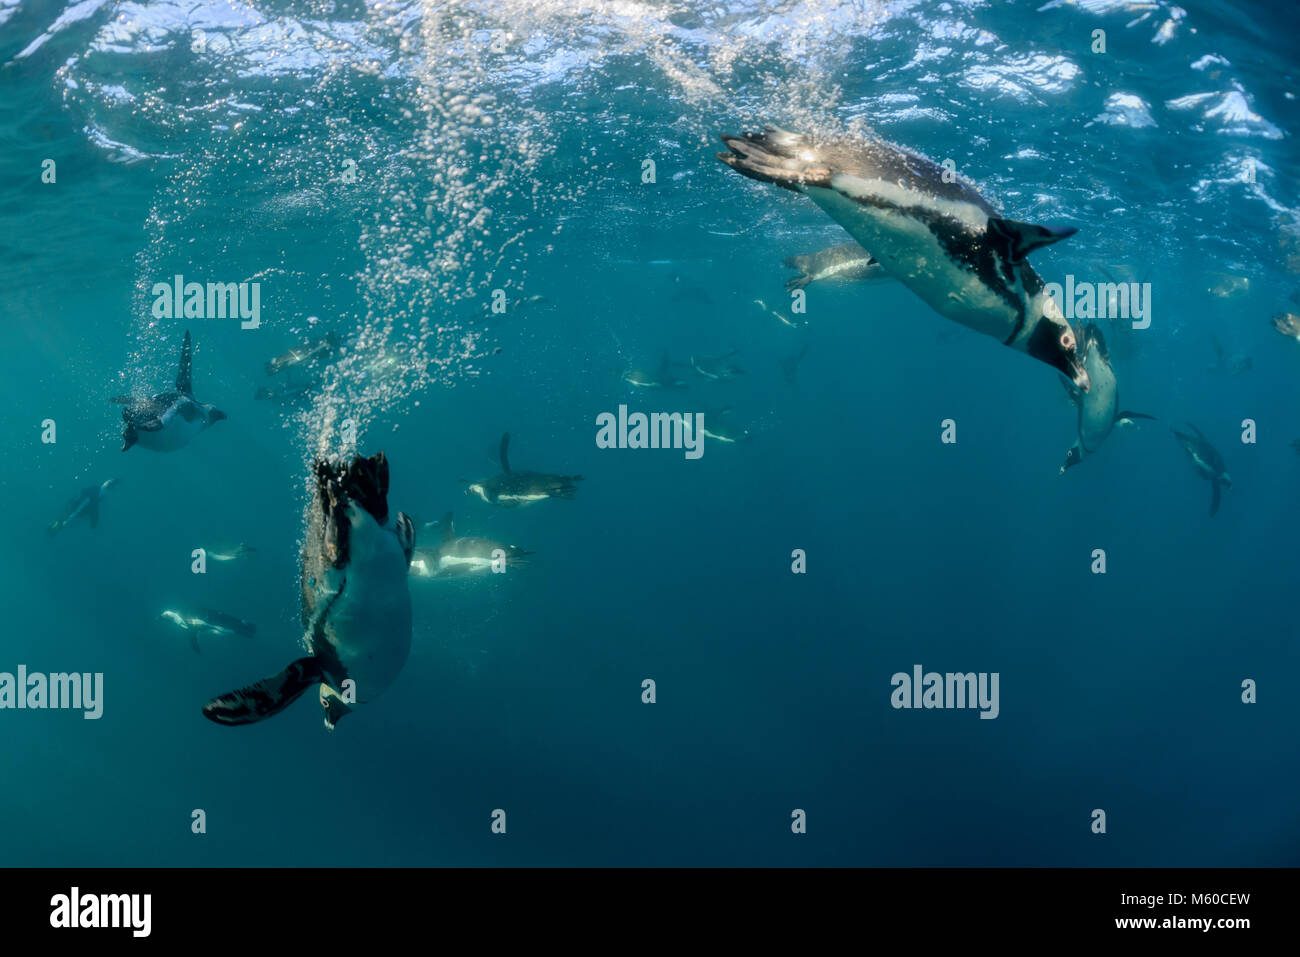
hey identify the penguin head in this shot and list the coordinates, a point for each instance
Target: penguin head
(1054, 342)
(333, 706)
(1072, 458)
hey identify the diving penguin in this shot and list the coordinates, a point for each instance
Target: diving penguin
(204, 622)
(1288, 324)
(719, 426)
(790, 364)
(356, 601)
(660, 378)
(85, 505)
(223, 554)
(512, 488)
(167, 421)
(1208, 463)
(1228, 363)
(716, 367)
(309, 353)
(1099, 410)
(940, 239)
(847, 262)
(456, 556)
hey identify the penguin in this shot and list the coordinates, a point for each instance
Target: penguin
(1229, 286)
(790, 365)
(309, 353)
(719, 427)
(206, 623)
(85, 505)
(660, 378)
(1226, 363)
(940, 239)
(1207, 461)
(1288, 324)
(781, 316)
(847, 262)
(512, 488)
(716, 367)
(356, 600)
(457, 557)
(230, 554)
(287, 392)
(517, 304)
(1099, 410)
(169, 420)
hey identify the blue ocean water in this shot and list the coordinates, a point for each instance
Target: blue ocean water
(381, 169)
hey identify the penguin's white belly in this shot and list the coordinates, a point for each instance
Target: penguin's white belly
(908, 251)
(463, 563)
(369, 622)
(522, 497)
(1098, 406)
(175, 433)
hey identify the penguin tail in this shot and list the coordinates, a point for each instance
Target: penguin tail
(55, 527)
(784, 159)
(1216, 496)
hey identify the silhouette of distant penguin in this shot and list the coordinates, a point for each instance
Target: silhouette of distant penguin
(1207, 462)
(167, 421)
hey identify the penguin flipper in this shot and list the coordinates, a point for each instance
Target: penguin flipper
(92, 512)
(797, 282)
(183, 378)
(504, 452)
(1215, 497)
(447, 528)
(267, 697)
(1120, 416)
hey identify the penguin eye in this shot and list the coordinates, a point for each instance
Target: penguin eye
(1067, 340)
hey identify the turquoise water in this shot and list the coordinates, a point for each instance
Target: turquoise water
(381, 169)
